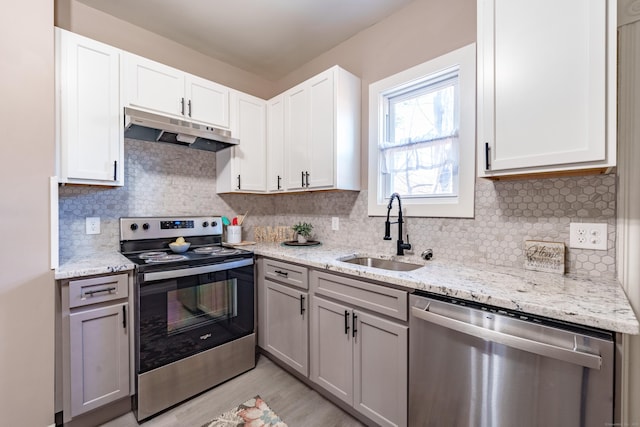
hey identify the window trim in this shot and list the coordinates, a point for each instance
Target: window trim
(461, 206)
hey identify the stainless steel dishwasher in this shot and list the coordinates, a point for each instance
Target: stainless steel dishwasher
(472, 365)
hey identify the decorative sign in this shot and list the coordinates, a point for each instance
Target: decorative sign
(544, 256)
(273, 234)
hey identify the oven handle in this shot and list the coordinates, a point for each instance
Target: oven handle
(192, 271)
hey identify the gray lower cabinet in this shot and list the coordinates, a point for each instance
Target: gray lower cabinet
(283, 312)
(96, 342)
(287, 325)
(356, 355)
(99, 357)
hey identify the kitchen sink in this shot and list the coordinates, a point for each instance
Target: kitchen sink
(384, 264)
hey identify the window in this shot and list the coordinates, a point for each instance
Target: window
(422, 137)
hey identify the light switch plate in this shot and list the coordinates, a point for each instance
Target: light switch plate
(92, 225)
(335, 223)
(584, 235)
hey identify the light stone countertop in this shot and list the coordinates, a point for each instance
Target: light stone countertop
(94, 263)
(595, 302)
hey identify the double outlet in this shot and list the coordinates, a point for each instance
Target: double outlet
(583, 235)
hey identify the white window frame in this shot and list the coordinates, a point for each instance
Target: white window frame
(462, 205)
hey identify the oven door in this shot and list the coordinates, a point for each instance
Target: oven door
(187, 311)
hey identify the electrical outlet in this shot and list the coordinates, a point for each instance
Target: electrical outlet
(92, 225)
(335, 223)
(584, 235)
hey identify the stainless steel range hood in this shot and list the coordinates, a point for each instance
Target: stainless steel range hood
(147, 126)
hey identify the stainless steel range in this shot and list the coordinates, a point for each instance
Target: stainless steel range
(194, 317)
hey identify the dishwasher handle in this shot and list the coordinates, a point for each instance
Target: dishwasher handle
(591, 361)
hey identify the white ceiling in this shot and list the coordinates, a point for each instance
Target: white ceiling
(267, 37)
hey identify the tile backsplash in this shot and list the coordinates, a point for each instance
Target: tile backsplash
(163, 179)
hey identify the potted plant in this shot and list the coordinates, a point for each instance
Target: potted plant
(303, 229)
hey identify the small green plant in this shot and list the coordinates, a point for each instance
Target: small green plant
(303, 229)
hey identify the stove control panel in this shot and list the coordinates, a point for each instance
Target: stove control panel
(136, 228)
(175, 224)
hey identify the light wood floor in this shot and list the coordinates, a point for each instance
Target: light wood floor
(293, 401)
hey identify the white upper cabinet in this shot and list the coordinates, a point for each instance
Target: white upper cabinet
(546, 86)
(160, 88)
(322, 133)
(242, 168)
(275, 144)
(89, 120)
(208, 102)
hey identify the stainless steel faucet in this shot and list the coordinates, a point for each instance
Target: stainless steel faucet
(402, 246)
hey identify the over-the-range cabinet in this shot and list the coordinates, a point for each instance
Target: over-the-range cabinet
(157, 87)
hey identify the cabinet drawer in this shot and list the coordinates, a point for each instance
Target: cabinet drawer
(97, 289)
(289, 274)
(379, 299)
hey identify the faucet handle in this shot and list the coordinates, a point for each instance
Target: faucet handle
(408, 245)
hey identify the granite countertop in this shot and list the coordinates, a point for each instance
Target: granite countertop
(589, 301)
(95, 263)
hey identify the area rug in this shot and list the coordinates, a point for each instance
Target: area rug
(252, 413)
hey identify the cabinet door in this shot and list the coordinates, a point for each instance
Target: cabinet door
(207, 102)
(90, 124)
(380, 369)
(155, 86)
(296, 134)
(542, 76)
(250, 154)
(99, 357)
(286, 326)
(322, 113)
(275, 144)
(331, 348)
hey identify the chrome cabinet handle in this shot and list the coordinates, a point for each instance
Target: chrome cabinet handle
(279, 178)
(306, 174)
(546, 350)
(182, 106)
(302, 175)
(189, 104)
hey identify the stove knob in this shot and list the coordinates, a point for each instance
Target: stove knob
(205, 224)
(214, 223)
(145, 226)
(134, 226)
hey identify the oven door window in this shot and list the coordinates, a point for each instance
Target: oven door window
(184, 316)
(200, 305)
